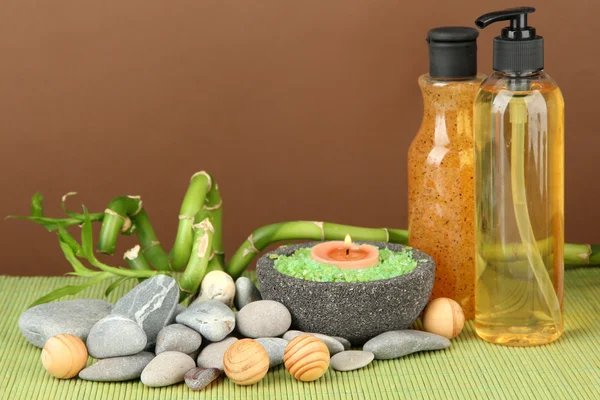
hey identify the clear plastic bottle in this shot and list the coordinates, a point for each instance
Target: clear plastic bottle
(441, 190)
(519, 155)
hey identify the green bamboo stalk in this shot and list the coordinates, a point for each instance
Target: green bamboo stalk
(200, 185)
(87, 248)
(136, 259)
(514, 251)
(198, 262)
(595, 256)
(116, 220)
(151, 247)
(214, 264)
(577, 254)
(305, 230)
(213, 206)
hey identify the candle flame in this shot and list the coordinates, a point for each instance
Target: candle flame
(348, 239)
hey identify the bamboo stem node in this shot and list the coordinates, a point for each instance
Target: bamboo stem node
(215, 207)
(208, 178)
(140, 204)
(132, 253)
(253, 248)
(205, 224)
(321, 226)
(152, 244)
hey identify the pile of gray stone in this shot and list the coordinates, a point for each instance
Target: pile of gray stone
(147, 334)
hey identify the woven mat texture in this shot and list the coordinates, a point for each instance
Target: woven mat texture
(470, 368)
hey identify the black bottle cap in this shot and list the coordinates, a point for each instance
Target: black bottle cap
(518, 49)
(452, 52)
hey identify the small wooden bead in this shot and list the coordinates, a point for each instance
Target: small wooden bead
(246, 362)
(443, 317)
(63, 356)
(306, 358)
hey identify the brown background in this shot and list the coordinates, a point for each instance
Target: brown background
(302, 110)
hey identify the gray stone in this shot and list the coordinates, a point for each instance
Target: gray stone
(75, 317)
(199, 378)
(213, 319)
(397, 344)
(263, 318)
(151, 304)
(179, 338)
(115, 336)
(351, 360)
(178, 310)
(345, 342)
(245, 292)
(356, 311)
(275, 348)
(212, 355)
(332, 344)
(117, 369)
(166, 369)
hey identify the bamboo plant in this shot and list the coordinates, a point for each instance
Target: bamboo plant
(198, 246)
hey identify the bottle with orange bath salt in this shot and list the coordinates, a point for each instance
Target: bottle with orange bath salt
(441, 214)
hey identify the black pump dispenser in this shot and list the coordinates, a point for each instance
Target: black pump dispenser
(518, 49)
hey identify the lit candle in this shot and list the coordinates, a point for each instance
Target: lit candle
(346, 254)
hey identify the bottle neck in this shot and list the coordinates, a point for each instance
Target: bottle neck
(448, 94)
(524, 75)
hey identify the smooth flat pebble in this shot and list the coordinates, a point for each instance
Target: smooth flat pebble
(245, 292)
(166, 369)
(117, 369)
(151, 304)
(395, 344)
(213, 319)
(115, 336)
(178, 337)
(351, 360)
(212, 355)
(332, 344)
(275, 348)
(199, 378)
(263, 318)
(75, 317)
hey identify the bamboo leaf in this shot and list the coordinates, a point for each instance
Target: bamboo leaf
(77, 265)
(52, 224)
(116, 284)
(37, 205)
(70, 289)
(65, 237)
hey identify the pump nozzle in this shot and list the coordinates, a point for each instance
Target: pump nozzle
(518, 49)
(518, 29)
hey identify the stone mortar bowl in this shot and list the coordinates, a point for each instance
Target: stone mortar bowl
(356, 311)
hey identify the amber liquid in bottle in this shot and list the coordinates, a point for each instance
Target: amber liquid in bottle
(441, 187)
(519, 153)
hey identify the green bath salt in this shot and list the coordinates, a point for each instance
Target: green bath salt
(301, 265)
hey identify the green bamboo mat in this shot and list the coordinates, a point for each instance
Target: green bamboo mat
(470, 368)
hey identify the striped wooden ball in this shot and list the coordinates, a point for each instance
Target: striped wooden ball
(246, 362)
(306, 358)
(63, 356)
